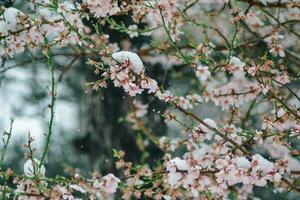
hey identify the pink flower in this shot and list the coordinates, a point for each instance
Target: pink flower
(102, 8)
(165, 96)
(108, 183)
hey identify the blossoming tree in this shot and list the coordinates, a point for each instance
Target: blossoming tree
(243, 59)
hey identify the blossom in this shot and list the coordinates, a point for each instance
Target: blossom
(132, 59)
(132, 30)
(32, 168)
(12, 20)
(129, 74)
(77, 188)
(208, 163)
(102, 8)
(283, 78)
(174, 178)
(203, 131)
(179, 163)
(236, 66)
(65, 7)
(252, 70)
(108, 183)
(260, 163)
(185, 103)
(164, 96)
(203, 73)
(150, 84)
(253, 20)
(140, 109)
(238, 91)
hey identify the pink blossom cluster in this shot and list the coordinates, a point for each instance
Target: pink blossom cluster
(194, 172)
(98, 187)
(101, 8)
(129, 74)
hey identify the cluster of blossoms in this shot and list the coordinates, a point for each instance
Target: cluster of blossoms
(14, 21)
(101, 8)
(19, 30)
(244, 58)
(215, 168)
(28, 188)
(226, 94)
(130, 74)
(194, 172)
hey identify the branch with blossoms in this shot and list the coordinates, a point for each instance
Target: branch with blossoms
(232, 52)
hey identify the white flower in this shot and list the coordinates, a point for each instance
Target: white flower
(203, 73)
(77, 188)
(242, 162)
(132, 30)
(65, 6)
(31, 168)
(134, 60)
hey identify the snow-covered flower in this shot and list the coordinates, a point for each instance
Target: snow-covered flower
(236, 66)
(180, 164)
(262, 164)
(175, 167)
(109, 183)
(132, 59)
(12, 20)
(32, 168)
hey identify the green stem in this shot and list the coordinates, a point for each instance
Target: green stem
(6, 142)
(52, 106)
